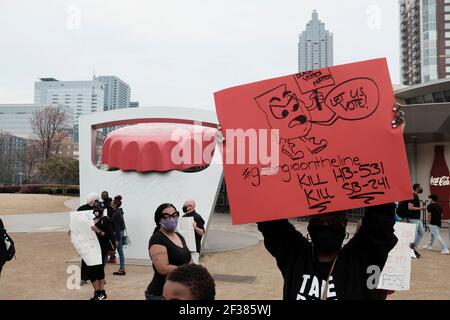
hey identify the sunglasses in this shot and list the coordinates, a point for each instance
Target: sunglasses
(173, 216)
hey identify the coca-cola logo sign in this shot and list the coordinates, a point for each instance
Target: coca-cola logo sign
(440, 181)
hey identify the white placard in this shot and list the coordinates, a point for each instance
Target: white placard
(396, 274)
(186, 229)
(83, 238)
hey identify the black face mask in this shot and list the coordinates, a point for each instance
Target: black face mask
(185, 209)
(327, 239)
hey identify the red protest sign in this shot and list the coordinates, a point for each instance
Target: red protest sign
(312, 143)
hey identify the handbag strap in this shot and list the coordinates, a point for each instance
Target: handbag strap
(325, 290)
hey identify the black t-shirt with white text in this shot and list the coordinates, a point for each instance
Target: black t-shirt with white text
(305, 277)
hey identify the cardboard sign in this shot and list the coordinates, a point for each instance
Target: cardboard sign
(186, 229)
(396, 274)
(83, 237)
(311, 143)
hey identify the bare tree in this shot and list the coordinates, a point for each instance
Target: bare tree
(31, 159)
(50, 127)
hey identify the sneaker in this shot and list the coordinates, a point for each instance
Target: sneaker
(417, 254)
(446, 251)
(95, 297)
(119, 273)
(427, 247)
(102, 295)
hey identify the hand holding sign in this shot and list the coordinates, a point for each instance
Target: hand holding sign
(324, 120)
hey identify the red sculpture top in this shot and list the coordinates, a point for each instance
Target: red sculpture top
(159, 147)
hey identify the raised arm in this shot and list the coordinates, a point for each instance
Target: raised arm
(375, 238)
(282, 240)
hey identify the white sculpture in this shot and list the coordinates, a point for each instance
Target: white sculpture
(143, 192)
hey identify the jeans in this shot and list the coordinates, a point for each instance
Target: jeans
(149, 296)
(436, 235)
(120, 251)
(420, 231)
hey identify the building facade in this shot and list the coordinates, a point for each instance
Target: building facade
(117, 93)
(315, 46)
(12, 158)
(83, 97)
(427, 136)
(15, 119)
(134, 104)
(424, 40)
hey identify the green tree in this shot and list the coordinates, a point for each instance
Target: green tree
(60, 171)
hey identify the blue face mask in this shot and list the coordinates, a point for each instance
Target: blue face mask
(170, 225)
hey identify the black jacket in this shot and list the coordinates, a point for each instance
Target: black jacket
(3, 251)
(107, 242)
(107, 205)
(118, 223)
(304, 276)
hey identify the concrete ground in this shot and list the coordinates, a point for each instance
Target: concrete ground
(43, 269)
(18, 203)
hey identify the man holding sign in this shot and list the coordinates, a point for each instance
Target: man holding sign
(323, 269)
(328, 163)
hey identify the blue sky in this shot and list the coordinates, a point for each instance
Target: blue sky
(177, 53)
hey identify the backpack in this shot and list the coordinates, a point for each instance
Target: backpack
(10, 247)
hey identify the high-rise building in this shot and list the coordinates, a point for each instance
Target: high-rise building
(117, 92)
(15, 119)
(315, 46)
(134, 104)
(425, 40)
(83, 97)
(12, 158)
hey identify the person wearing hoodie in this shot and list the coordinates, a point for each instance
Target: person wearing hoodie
(323, 269)
(119, 227)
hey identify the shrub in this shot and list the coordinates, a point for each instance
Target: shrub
(31, 188)
(46, 190)
(73, 190)
(9, 189)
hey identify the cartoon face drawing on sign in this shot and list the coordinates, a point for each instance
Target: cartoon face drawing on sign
(284, 111)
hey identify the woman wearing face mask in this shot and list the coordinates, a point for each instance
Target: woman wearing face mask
(104, 231)
(322, 268)
(167, 249)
